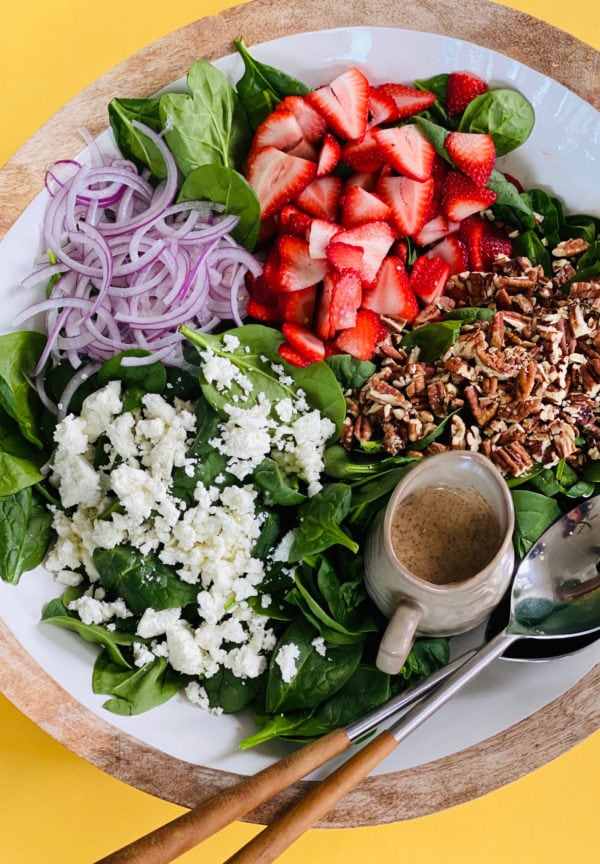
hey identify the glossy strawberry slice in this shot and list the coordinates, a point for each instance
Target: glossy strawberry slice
(279, 129)
(264, 312)
(304, 341)
(297, 269)
(473, 153)
(453, 251)
(322, 322)
(311, 122)
(343, 103)
(320, 234)
(461, 197)
(409, 201)
(320, 197)
(277, 177)
(346, 296)
(329, 155)
(291, 220)
(360, 206)
(484, 242)
(382, 107)
(435, 229)
(408, 100)
(462, 88)
(362, 248)
(391, 293)
(428, 277)
(407, 150)
(298, 307)
(364, 155)
(292, 356)
(361, 340)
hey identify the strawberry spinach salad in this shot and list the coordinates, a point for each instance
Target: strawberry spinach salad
(359, 203)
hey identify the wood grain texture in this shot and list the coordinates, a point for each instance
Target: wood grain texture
(383, 798)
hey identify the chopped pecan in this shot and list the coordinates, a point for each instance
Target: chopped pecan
(569, 248)
(512, 459)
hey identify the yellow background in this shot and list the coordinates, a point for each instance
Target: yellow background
(57, 809)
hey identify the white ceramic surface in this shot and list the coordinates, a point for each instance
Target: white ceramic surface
(563, 154)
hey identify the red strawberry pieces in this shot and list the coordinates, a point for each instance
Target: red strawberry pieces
(320, 197)
(304, 341)
(408, 100)
(391, 293)
(360, 206)
(453, 251)
(428, 277)
(461, 197)
(484, 242)
(296, 269)
(408, 200)
(362, 339)
(407, 150)
(344, 103)
(362, 249)
(462, 88)
(473, 153)
(277, 177)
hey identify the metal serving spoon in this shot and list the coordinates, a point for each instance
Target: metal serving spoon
(555, 594)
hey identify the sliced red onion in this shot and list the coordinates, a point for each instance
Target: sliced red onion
(133, 264)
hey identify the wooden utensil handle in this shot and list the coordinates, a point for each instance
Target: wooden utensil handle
(270, 843)
(173, 839)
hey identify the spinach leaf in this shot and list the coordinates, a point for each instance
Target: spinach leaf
(56, 613)
(316, 677)
(426, 656)
(141, 580)
(276, 726)
(351, 372)
(258, 360)
(223, 185)
(25, 533)
(470, 314)
(17, 474)
(207, 126)
(432, 339)
(319, 522)
(436, 135)
(152, 377)
(209, 464)
(510, 204)
(270, 479)
(533, 514)
(131, 141)
(261, 86)
(225, 690)
(355, 465)
(528, 243)
(137, 690)
(438, 86)
(19, 354)
(504, 114)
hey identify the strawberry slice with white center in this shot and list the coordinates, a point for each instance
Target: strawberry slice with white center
(344, 103)
(322, 323)
(296, 268)
(408, 200)
(298, 307)
(311, 122)
(279, 129)
(361, 340)
(291, 220)
(408, 100)
(320, 197)
(382, 108)
(329, 155)
(362, 248)
(320, 235)
(435, 229)
(346, 296)
(462, 88)
(277, 177)
(428, 277)
(484, 242)
(292, 356)
(360, 206)
(304, 341)
(453, 251)
(391, 294)
(473, 153)
(364, 155)
(461, 197)
(407, 150)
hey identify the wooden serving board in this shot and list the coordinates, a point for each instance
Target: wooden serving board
(388, 797)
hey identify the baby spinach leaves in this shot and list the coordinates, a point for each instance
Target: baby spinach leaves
(134, 691)
(504, 114)
(131, 141)
(319, 522)
(24, 533)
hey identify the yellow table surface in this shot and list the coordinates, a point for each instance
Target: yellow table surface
(57, 809)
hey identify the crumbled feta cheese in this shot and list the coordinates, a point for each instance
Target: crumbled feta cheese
(319, 645)
(155, 623)
(286, 660)
(93, 611)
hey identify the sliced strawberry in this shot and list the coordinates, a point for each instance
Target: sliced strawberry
(344, 103)
(473, 153)
(346, 296)
(296, 268)
(495, 243)
(439, 170)
(291, 220)
(322, 322)
(408, 200)
(291, 355)
(329, 155)
(298, 307)
(311, 122)
(279, 129)
(366, 180)
(259, 289)
(364, 155)
(264, 312)
(460, 197)
(267, 230)
(428, 277)
(361, 340)
(382, 108)
(271, 269)
(453, 251)
(277, 178)
(320, 197)
(367, 244)
(462, 88)
(408, 100)
(304, 341)
(407, 150)
(305, 150)
(320, 234)
(515, 182)
(435, 229)
(484, 241)
(391, 294)
(360, 206)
